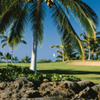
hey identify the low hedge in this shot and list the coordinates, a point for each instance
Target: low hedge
(12, 72)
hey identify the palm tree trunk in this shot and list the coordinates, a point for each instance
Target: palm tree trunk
(89, 49)
(96, 56)
(92, 57)
(89, 53)
(34, 53)
(6, 60)
(63, 54)
(35, 37)
(12, 55)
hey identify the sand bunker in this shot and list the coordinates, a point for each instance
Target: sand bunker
(84, 63)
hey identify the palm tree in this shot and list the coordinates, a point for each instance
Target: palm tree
(1, 54)
(68, 50)
(95, 46)
(62, 47)
(7, 56)
(69, 54)
(16, 12)
(12, 44)
(15, 58)
(91, 44)
(26, 59)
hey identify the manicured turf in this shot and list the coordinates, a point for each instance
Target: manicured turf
(91, 73)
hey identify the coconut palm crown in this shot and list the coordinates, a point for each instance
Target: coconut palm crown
(15, 13)
(12, 45)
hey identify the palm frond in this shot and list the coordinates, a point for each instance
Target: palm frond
(37, 18)
(56, 46)
(3, 36)
(23, 41)
(64, 26)
(3, 45)
(59, 56)
(18, 27)
(1, 54)
(9, 16)
(97, 34)
(6, 5)
(4, 40)
(58, 51)
(85, 15)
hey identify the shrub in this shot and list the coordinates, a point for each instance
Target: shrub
(57, 77)
(12, 72)
(58, 61)
(44, 61)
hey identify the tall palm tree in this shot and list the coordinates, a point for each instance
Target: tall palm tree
(5, 41)
(7, 56)
(17, 12)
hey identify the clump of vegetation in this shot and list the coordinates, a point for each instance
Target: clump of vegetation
(57, 77)
(44, 61)
(12, 72)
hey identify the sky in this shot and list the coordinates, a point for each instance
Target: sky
(51, 36)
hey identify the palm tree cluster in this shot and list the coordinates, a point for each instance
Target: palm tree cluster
(15, 14)
(7, 56)
(91, 46)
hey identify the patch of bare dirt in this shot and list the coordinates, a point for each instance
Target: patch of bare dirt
(84, 63)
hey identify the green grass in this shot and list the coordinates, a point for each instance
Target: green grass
(91, 73)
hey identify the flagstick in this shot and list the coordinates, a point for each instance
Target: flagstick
(53, 59)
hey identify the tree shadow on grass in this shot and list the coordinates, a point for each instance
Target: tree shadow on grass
(57, 71)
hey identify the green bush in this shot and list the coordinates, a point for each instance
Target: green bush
(37, 77)
(57, 77)
(44, 61)
(12, 72)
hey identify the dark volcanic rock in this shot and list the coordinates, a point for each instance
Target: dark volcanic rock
(85, 83)
(87, 93)
(51, 89)
(23, 89)
(3, 85)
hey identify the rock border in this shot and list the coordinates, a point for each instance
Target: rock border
(23, 89)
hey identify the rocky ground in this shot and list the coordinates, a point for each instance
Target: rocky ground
(23, 89)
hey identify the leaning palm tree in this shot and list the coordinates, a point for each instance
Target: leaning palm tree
(17, 12)
(12, 45)
(7, 56)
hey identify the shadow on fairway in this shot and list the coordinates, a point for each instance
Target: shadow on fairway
(57, 71)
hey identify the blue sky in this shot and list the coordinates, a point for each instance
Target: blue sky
(51, 36)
